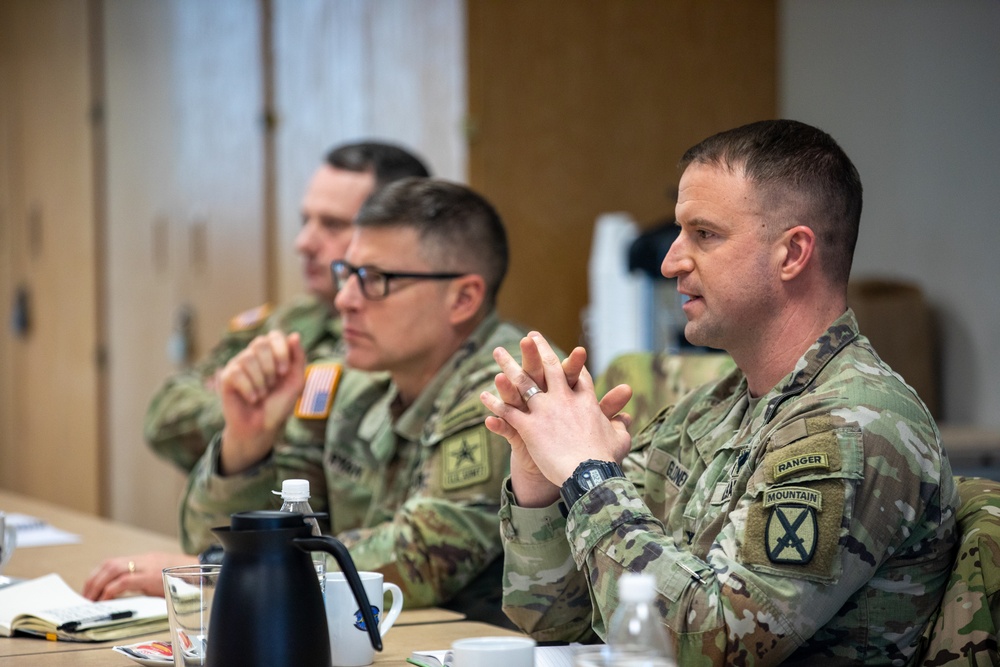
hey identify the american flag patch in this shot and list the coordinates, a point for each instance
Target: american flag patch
(317, 395)
(250, 318)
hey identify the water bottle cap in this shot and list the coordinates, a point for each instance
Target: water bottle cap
(636, 587)
(295, 489)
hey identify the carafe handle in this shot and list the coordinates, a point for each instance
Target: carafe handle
(336, 549)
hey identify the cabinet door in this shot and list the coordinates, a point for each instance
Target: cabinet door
(185, 227)
(49, 394)
(353, 70)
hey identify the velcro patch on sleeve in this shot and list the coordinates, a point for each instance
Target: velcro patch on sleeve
(793, 494)
(318, 392)
(249, 319)
(796, 464)
(816, 456)
(796, 530)
(465, 459)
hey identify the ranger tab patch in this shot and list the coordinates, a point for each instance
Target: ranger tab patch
(795, 464)
(465, 460)
(317, 395)
(791, 534)
(249, 319)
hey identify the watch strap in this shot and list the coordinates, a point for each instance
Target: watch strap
(587, 475)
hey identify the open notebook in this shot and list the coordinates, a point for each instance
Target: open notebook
(47, 607)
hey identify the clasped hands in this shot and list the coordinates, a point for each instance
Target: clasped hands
(557, 427)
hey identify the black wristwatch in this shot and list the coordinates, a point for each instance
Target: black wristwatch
(587, 475)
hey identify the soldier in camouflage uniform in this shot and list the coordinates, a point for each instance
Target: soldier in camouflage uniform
(801, 507)
(965, 632)
(185, 412)
(409, 474)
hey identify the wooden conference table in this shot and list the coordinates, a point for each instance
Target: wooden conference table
(416, 629)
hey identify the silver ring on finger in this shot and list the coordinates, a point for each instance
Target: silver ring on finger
(526, 396)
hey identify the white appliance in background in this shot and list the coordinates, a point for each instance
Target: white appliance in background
(613, 321)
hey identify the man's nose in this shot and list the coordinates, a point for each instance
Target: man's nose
(305, 238)
(676, 261)
(348, 292)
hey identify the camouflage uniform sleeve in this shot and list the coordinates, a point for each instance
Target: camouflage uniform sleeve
(965, 630)
(210, 498)
(544, 593)
(447, 531)
(185, 413)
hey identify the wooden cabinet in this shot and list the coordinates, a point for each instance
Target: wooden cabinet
(185, 226)
(49, 287)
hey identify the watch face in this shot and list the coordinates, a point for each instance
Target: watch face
(591, 478)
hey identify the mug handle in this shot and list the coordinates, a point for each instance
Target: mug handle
(397, 606)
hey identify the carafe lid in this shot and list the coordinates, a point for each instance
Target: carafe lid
(266, 520)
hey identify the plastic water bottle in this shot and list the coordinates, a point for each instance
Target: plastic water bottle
(295, 498)
(636, 635)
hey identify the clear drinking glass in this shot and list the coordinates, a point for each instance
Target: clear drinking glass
(189, 590)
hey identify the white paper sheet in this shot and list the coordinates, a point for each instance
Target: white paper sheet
(33, 532)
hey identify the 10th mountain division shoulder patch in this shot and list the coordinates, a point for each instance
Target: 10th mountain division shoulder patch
(791, 534)
(465, 460)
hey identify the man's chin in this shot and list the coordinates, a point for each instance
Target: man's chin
(360, 362)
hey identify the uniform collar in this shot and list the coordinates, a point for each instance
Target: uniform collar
(410, 424)
(723, 412)
(838, 335)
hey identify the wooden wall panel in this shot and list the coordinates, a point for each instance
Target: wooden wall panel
(578, 108)
(185, 210)
(49, 429)
(354, 69)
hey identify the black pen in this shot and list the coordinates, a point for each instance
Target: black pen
(73, 626)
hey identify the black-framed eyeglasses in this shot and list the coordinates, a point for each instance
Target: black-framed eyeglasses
(374, 282)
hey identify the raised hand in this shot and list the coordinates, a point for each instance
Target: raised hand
(259, 388)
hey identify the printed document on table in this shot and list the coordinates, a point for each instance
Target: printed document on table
(34, 532)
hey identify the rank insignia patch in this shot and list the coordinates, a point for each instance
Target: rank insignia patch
(791, 534)
(465, 460)
(317, 395)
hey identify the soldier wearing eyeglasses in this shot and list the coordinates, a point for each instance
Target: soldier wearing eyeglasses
(409, 473)
(185, 412)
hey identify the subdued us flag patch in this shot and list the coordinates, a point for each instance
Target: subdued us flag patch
(317, 395)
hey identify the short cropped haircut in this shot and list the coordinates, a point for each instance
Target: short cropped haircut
(387, 162)
(789, 161)
(458, 229)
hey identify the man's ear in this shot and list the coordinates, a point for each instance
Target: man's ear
(466, 295)
(798, 245)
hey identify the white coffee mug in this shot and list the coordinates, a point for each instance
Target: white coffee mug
(350, 645)
(494, 652)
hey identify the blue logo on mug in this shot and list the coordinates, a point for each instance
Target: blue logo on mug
(359, 620)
